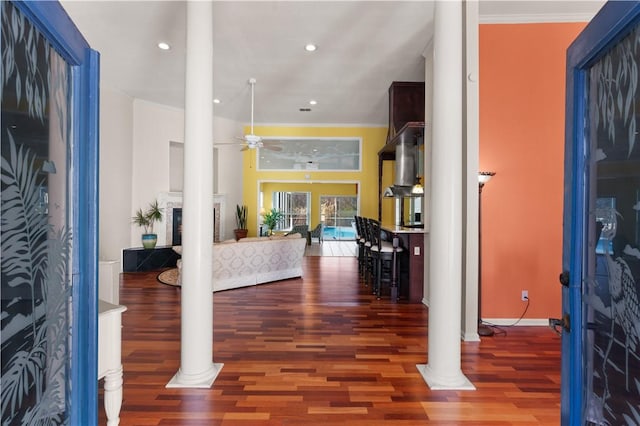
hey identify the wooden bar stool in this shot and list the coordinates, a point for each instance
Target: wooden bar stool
(385, 260)
(369, 276)
(360, 240)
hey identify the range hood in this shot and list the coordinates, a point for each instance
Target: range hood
(406, 133)
(403, 149)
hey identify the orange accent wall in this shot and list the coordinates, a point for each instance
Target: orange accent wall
(522, 101)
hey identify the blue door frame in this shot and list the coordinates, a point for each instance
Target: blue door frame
(607, 27)
(54, 23)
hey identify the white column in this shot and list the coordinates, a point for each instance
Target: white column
(196, 353)
(445, 259)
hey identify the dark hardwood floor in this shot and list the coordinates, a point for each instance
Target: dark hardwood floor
(322, 350)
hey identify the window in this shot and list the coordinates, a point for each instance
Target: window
(294, 206)
(318, 154)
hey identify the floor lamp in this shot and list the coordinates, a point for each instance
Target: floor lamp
(483, 178)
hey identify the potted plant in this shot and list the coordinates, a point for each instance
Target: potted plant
(146, 219)
(241, 222)
(271, 219)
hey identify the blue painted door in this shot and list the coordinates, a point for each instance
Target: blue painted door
(601, 247)
(48, 227)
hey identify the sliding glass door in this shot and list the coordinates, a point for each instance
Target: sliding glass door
(295, 206)
(337, 213)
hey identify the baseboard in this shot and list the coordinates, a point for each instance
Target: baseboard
(511, 322)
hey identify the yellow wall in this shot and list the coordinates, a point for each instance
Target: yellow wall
(316, 190)
(373, 139)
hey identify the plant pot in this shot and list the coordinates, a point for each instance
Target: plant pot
(149, 240)
(240, 233)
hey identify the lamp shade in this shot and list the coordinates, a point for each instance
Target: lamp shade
(484, 177)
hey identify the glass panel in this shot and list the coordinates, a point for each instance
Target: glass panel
(337, 213)
(35, 232)
(294, 207)
(612, 261)
(311, 154)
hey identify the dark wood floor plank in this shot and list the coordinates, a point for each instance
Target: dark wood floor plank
(322, 350)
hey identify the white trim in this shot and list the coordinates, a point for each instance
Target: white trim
(536, 18)
(523, 322)
(322, 125)
(470, 337)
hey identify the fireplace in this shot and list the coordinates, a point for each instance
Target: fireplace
(176, 227)
(168, 229)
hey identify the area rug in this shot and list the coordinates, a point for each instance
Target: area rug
(169, 277)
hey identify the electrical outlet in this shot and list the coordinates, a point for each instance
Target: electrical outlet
(525, 295)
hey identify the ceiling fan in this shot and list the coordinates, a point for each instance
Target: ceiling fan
(251, 141)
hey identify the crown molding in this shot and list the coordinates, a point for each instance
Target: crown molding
(536, 18)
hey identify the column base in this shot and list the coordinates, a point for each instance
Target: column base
(202, 380)
(439, 383)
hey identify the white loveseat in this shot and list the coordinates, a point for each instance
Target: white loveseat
(254, 260)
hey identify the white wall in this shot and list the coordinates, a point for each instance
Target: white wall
(228, 173)
(135, 138)
(176, 168)
(154, 127)
(116, 168)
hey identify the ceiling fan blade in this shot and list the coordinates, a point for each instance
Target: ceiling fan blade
(227, 143)
(272, 147)
(244, 148)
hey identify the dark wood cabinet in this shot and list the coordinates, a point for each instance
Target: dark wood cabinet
(411, 279)
(406, 104)
(140, 259)
(406, 124)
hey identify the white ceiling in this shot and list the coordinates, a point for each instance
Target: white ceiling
(362, 47)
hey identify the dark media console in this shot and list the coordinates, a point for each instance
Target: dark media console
(138, 259)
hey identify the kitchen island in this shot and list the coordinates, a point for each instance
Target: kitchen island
(412, 258)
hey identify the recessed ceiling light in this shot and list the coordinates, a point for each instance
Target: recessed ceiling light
(310, 47)
(216, 101)
(164, 46)
(312, 102)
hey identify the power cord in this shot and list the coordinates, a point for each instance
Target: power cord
(498, 329)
